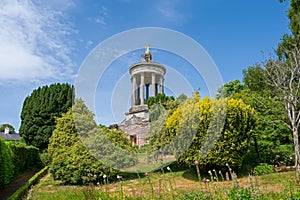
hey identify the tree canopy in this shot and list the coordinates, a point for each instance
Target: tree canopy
(39, 111)
(11, 128)
(228, 89)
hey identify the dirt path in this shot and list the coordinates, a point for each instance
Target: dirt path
(16, 184)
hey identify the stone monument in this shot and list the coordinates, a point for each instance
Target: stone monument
(146, 76)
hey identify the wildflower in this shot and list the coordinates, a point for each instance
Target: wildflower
(146, 175)
(291, 158)
(207, 180)
(204, 180)
(209, 172)
(227, 164)
(119, 177)
(220, 172)
(196, 163)
(104, 176)
(276, 166)
(168, 168)
(214, 170)
(227, 176)
(103, 168)
(277, 156)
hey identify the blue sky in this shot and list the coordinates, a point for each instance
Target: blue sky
(44, 42)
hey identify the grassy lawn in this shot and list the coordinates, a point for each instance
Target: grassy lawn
(177, 185)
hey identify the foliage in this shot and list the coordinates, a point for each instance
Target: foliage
(270, 131)
(253, 79)
(282, 155)
(117, 138)
(283, 75)
(71, 162)
(193, 134)
(228, 89)
(45, 158)
(39, 111)
(11, 128)
(81, 151)
(293, 14)
(15, 159)
(158, 115)
(159, 98)
(263, 169)
(25, 157)
(6, 163)
(33, 180)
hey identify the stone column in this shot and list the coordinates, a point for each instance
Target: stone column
(153, 84)
(142, 88)
(147, 92)
(138, 101)
(133, 80)
(161, 85)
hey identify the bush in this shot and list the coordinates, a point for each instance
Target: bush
(45, 158)
(25, 157)
(74, 165)
(199, 135)
(71, 162)
(16, 158)
(263, 169)
(6, 163)
(282, 155)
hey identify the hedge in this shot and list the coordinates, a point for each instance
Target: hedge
(15, 159)
(6, 163)
(33, 180)
(25, 157)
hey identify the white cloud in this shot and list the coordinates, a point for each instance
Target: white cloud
(100, 19)
(88, 44)
(169, 10)
(34, 42)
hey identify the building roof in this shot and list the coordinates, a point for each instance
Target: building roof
(10, 136)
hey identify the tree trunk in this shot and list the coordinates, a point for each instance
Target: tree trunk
(297, 155)
(256, 147)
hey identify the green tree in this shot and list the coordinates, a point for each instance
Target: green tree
(159, 98)
(293, 14)
(253, 79)
(71, 162)
(39, 111)
(228, 89)
(11, 128)
(270, 132)
(283, 75)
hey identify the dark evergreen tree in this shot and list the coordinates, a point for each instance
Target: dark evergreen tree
(40, 110)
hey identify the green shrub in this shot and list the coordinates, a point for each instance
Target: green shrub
(6, 163)
(263, 169)
(199, 134)
(45, 158)
(16, 158)
(25, 157)
(282, 155)
(71, 162)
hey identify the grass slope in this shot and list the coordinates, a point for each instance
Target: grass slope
(177, 185)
